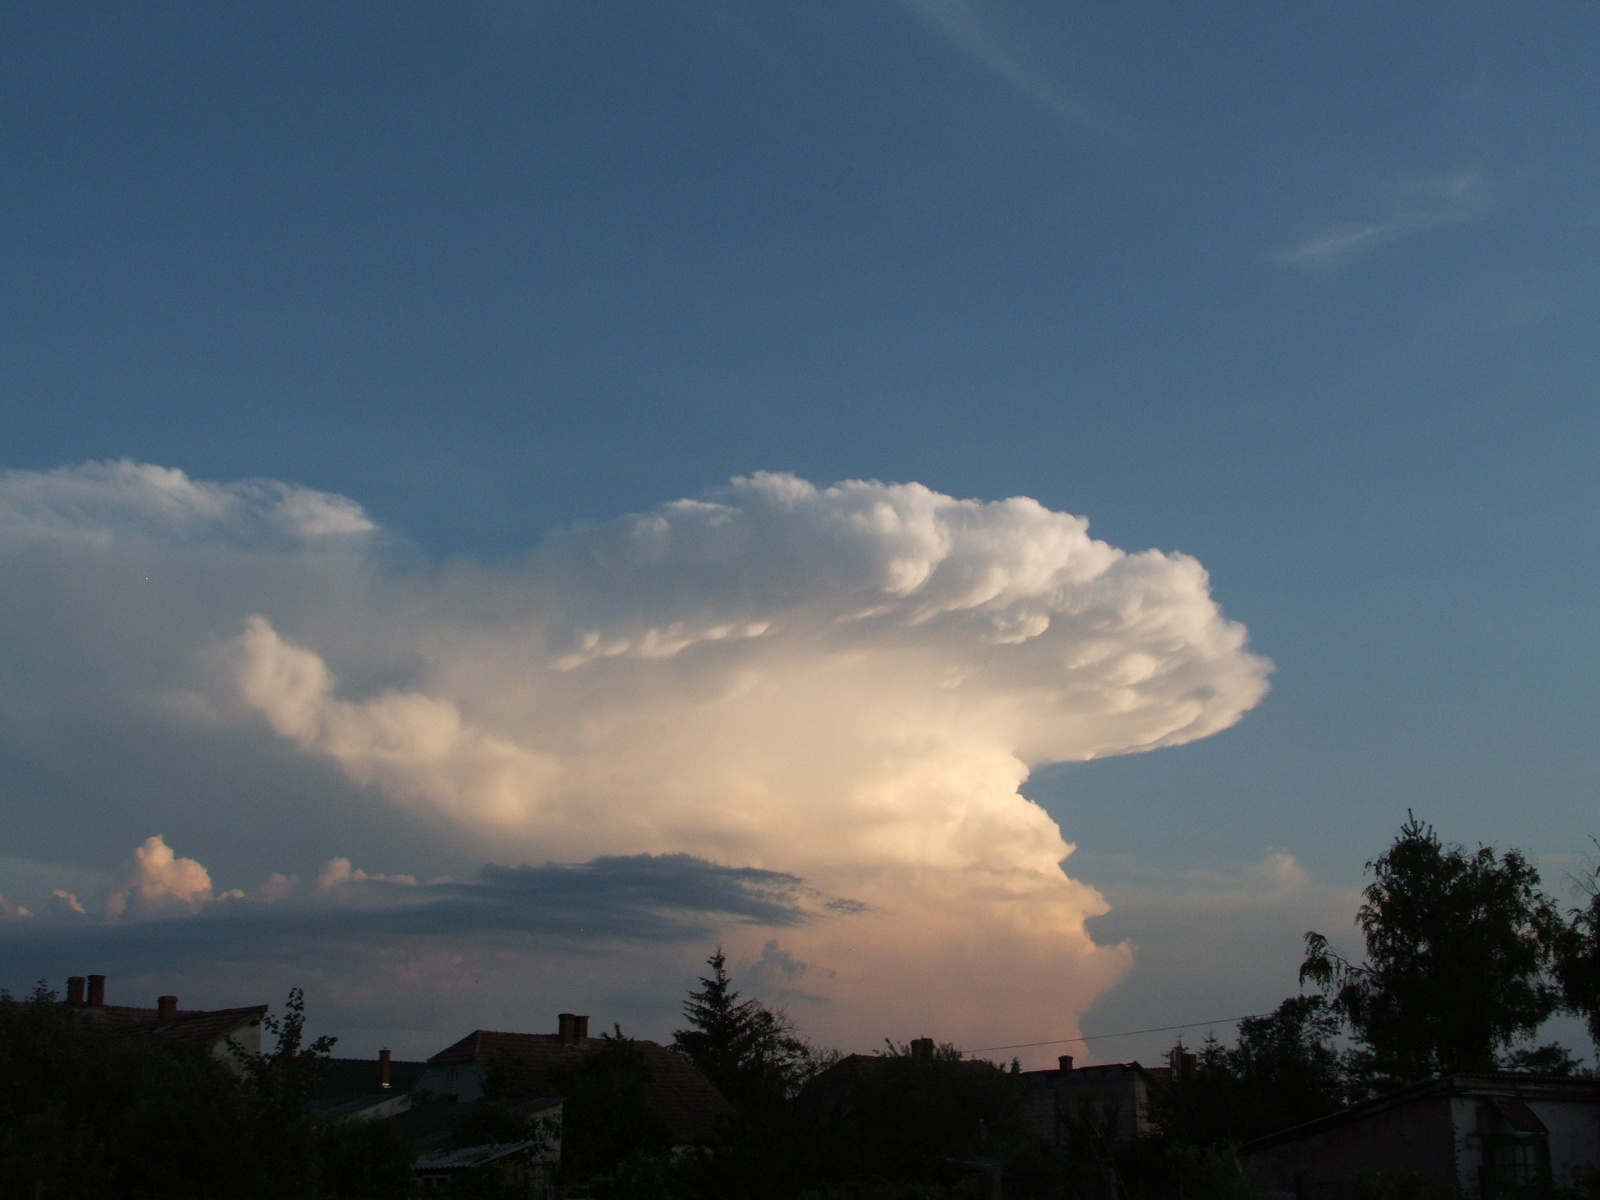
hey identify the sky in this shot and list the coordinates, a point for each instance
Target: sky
(992, 511)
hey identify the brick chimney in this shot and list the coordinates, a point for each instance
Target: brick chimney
(97, 991)
(166, 1009)
(1183, 1064)
(922, 1047)
(75, 992)
(572, 1028)
(1066, 1063)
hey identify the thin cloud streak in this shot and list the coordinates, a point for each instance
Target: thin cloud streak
(962, 26)
(1418, 206)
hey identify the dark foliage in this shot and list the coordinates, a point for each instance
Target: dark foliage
(1458, 945)
(607, 1122)
(1577, 959)
(1283, 1070)
(89, 1111)
(901, 1116)
(750, 1052)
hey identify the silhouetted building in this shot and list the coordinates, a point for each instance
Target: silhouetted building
(686, 1103)
(1482, 1136)
(214, 1030)
(1107, 1103)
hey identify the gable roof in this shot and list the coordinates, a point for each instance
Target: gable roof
(341, 1078)
(191, 1027)
(681, 1098)
(465, 1159)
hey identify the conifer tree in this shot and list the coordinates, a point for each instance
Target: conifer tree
(751, 1052)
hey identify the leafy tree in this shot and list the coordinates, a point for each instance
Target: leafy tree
(1282, 1070)
(751, 1052)
(1577, 959)
(607, 1120)
(906, 1116)
(1458, 945)
(1287, 1067)
(287, 1075)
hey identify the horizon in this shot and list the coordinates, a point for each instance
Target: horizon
(993, 513)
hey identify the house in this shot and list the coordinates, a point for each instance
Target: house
(365, 1089)
(1480, 1135)
(683, 1100)
(216, 1030)
(1109, 1102)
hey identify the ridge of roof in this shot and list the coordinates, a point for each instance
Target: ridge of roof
(680, 1095)
(187, 1026)
(1448, 1085)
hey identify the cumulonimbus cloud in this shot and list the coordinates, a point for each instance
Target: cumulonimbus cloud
(845, 684)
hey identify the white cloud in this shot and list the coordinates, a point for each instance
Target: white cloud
(104, 500)
(972, 30)
(65, 902)
(277, 886)
(160, 880)
(338, 872)
(846, 684)
(1410, 206)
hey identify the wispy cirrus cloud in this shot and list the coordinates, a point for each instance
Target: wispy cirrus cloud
(1409, 207)
(974, 30)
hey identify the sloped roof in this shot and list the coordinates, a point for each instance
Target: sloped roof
(681, 1098)
(470, 1156)
(345, 1077)
(1514, 1084)
(192, 1027)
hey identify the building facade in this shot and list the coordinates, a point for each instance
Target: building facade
(1485, 1136)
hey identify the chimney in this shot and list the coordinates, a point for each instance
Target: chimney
(383, 1068)
(166, 1009)
(580, 1028)
(97, 991)
(922, 1047)
(1066, 1063)
(75, 992)
(1183, 1064)
(567, 1028)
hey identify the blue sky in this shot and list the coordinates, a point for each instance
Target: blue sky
(1306, 293)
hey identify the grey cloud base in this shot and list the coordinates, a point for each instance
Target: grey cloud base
(844, 686)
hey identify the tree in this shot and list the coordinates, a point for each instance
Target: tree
(608, 1123)
(751, 1052)
(1577, 958)
(1458, 947)
(1282, 1070)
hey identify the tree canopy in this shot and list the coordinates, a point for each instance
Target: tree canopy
(751, 1052)
(1459, 945)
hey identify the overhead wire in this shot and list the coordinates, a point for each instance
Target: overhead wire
(1096, 1037)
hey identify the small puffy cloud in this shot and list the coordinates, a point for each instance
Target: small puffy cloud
(159, 881)
(277, 886)
(338, 872)
(12, 911)
(65, 903)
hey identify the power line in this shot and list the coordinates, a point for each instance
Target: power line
(1095, 1037)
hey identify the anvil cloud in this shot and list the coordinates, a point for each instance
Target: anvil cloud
(847, 685)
